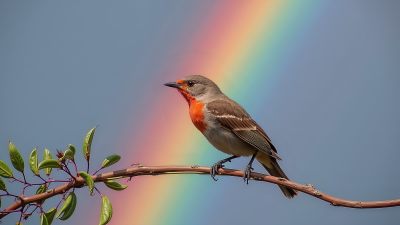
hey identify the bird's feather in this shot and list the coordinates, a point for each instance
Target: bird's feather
(233, 117)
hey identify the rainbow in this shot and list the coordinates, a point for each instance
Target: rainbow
(238, 43)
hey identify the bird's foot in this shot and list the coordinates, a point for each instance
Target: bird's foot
(215, 168)
(247, 173)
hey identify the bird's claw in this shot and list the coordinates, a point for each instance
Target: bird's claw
(247, 173)
(215, 168)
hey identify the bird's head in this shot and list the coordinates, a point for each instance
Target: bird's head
(195, 87)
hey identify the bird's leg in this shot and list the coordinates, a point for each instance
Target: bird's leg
(248, 169)
(220, 164)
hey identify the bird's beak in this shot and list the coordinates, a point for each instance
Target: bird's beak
(173, 85)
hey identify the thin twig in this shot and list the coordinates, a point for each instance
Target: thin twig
(163, 170)
(18, 180)
(98, 191)
(98, 170)
(41, 178)
(66, 169)
(23, 175)
(21, 214)
(76, 168)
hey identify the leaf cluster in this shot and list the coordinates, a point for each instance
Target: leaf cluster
(62, 162)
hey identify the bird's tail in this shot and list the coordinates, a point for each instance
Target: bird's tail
(273, 168)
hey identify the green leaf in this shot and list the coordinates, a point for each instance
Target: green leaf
(110, 160)
(33, 162)
(16, 158)
(41, 189)
(50, 215)
(89, 181)
(5, 171)
(87, 143)
(69, 153)
(72, 148)
(2, 185)
(68, 207)
(49, 163)
(43, 219)
(47, 155)
(115, 185)
(106, 210)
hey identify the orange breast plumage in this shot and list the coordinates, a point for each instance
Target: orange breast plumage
(197, 115)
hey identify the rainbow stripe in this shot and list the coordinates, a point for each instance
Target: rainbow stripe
(239, 43)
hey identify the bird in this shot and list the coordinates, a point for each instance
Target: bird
(228, 127)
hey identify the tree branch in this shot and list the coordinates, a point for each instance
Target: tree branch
(163, 170)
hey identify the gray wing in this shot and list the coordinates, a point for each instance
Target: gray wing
(235, 118)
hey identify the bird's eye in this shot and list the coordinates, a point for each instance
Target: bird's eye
(190, 83)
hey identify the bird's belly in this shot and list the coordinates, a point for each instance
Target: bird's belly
(227, 142)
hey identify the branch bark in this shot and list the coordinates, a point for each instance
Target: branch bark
(163, 170)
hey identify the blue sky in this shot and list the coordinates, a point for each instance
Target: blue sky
(334, 109)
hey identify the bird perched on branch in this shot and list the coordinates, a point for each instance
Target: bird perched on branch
(228, 127)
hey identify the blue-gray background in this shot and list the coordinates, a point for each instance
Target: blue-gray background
(65, 67)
